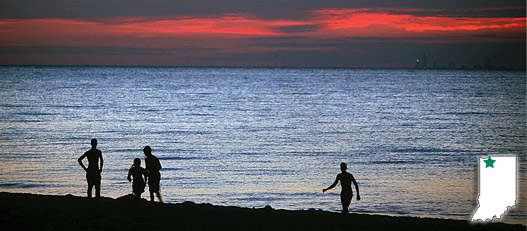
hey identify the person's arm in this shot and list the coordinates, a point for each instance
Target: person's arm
(331, 186)
(356, 187)
(129, 175)
(102, 162)
(80, 162)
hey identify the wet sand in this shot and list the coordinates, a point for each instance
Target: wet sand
(43, 212)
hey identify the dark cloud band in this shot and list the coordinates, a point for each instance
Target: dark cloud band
(261, 8)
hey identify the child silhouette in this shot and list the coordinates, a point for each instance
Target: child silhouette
(137, 173)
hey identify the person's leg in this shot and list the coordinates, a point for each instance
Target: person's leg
(159, 196)
(137, 190)
(345, 199)
(90, 184)
(90, 187)
(153, 185)
(98, 190)
(97, 182)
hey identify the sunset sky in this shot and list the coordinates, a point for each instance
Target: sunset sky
(295, 33)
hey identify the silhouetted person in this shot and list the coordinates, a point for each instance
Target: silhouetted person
(152, 170)
(93, 172)
(137, 173)
(346, 194)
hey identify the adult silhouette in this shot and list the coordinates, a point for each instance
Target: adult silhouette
(154, 176)
(346, 194)
(93, 172)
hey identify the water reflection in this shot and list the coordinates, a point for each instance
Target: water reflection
(253, 137)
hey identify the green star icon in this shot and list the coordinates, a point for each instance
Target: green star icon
(489, 162)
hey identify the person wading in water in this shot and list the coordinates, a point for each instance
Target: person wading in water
(346, 194)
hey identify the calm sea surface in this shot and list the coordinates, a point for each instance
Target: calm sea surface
(256, 137)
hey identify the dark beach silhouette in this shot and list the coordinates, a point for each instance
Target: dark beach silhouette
(22, 211)
(138, 174)
(346, 194)
(93, 172)
(154, 176)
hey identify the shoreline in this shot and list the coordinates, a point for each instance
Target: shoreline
(21, 211)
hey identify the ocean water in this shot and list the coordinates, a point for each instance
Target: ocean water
(253, 137)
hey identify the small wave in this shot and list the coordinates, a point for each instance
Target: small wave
(467, 113)
(244, 153)
(20, 185)
(77, 106)
(178, 158)
(171, 169)
(182, 132)
(338, 132)
(8, 185)
(311, 153)
(15, 105)
(200, 114)
(397, 162)
(150, 110)
(26, 121)
(476, 113)
(427, 150)
(36, 114)
(126, 150)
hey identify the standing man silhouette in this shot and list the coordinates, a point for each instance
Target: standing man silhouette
(93, 172)
(346, 194)
(152, 169)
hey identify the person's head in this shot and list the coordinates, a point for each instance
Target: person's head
(343, 167)
(94, 143)
(137, 162)
(147, 150)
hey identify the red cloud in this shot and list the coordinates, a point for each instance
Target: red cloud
(322, 23)
(220, 36)
(335, 19)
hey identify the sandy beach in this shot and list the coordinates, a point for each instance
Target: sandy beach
(44, 212)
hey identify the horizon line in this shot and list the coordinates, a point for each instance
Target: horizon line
(463, 67)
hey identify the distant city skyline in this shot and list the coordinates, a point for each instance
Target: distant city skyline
(483, 34)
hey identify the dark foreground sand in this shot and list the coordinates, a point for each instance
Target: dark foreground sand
(39, 212)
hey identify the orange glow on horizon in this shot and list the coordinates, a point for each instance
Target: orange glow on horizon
(224, 25)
